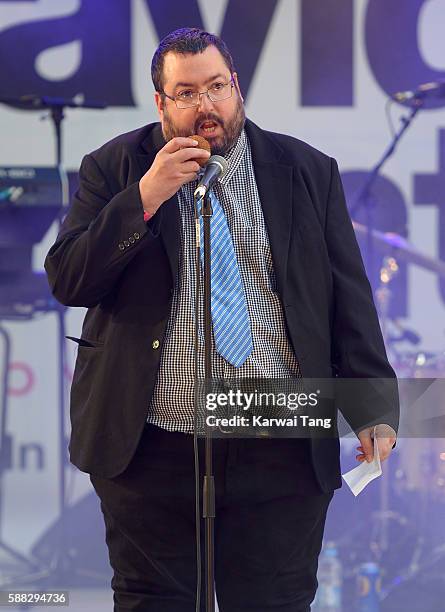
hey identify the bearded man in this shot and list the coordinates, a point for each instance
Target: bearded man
(126, 252)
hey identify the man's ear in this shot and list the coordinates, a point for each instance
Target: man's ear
(159, 101)
(235, 80)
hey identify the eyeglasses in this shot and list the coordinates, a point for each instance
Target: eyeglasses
(189, 98)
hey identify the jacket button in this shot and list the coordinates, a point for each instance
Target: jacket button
(136, 235)
(131, 239)
(121, 246)
(155, 344)
(127, 244)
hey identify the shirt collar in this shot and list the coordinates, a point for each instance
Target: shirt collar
(234, 157)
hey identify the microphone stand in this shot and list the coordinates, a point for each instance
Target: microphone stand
(364, 197)
(209, 481)
(61, 564)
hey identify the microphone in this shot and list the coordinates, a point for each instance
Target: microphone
(215, 168)
(435, 89)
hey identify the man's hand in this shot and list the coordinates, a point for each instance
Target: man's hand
(174, 165)
(386, 437)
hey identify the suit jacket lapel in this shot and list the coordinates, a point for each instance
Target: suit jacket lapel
(170, 220)
(274, 182)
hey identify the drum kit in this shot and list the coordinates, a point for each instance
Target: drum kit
(405, 531)
(409, 364)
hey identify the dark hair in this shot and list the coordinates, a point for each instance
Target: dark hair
(183, 41)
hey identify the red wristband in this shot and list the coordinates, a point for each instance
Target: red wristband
(147, 216)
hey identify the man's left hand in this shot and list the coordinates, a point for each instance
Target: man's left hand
(386, 437)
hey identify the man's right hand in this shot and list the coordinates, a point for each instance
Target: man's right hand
(174, 165)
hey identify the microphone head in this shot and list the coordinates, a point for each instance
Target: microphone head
(220, 167)
(436, 89)
(219, 161)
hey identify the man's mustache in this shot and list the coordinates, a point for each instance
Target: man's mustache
(208, 117)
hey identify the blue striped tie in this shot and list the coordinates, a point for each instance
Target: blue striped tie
(230, 317)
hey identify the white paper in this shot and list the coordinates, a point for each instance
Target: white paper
(359, 477)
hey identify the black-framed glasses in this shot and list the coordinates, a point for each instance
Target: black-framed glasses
(216, 92)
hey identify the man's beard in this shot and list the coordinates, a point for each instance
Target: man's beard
(219, 145)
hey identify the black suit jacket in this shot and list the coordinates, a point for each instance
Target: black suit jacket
(122, 269)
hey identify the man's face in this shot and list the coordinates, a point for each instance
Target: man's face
(218, 122)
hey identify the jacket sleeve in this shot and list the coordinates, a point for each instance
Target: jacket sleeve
(358, 348)
(101, 233)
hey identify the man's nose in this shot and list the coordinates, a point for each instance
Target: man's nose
(205, 101)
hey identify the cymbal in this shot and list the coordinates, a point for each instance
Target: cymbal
(401, 249)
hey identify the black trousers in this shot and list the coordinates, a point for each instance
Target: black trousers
(270, 516)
